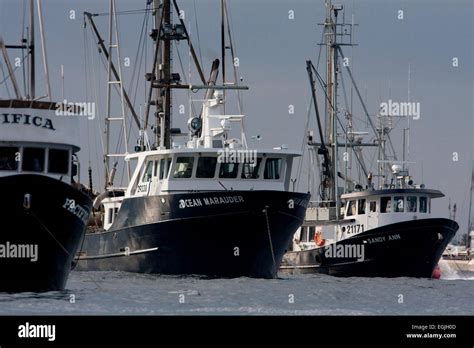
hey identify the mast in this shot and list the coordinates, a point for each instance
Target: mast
(223, 46)
(114, 79)
(331, 102)
(163, 29)
(470, 199)
(31, 46)
(335, 188)
(43, 50)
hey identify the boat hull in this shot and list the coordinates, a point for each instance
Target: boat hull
(405, 249)
(215, 234)
(45, 223)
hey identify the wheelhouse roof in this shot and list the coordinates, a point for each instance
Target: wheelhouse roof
(387, 192)
(192, 151)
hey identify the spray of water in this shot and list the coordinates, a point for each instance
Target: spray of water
(450, 271)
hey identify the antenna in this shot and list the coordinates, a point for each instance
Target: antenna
(407, 146)
(62, 82)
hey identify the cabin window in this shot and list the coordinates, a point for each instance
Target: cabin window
(111, 215)
(8, 158)
(386, 204)
(423, 205)
(399, 204)
(148, 172)
(183, 168)
(304, 234)
(372, 206)
(58, 161)
(251, 170)
(206, 167)
(351, 208)
(411, 204)
(33, 159)
(361, 207)
(272, 168)
(228, 170)
(162, 168)
(155, 169)
(311, 232)
(168, 167)
(165, 166)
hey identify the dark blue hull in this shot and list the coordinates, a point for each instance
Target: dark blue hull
(53, 227)
(216, 234)
(405, 249)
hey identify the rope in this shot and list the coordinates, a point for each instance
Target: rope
(265, 211)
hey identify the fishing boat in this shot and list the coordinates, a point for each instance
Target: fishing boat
(210, 206)
(372, 225)
(44, 209)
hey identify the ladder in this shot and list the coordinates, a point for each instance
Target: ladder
(110, 118)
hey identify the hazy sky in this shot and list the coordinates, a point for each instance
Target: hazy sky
(272, 50)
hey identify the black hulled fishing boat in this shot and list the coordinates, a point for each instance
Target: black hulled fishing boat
(361, 227)
(210, 206)
(43, 208)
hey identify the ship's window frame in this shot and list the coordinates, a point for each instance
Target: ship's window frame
(110, 216)
(426, 209)
(162, 168)
(230, 174)
(311, 233)
(255, 172)
(275, 172)
(351, 209)
(412, 208)
(185, 171)
(8, 161)
(200, 174)
(169, 162)
(361, 206)
(396, 204)
(41, 161)
(304, 234)
(372, 206)
(386, 204)
(147, 172)
(155, 168)
(65, 163)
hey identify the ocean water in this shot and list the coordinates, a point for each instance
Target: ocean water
(117, 293)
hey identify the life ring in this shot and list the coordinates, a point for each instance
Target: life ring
(318, 240)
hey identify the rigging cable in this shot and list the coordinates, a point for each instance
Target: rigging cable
(197, 33)
(5, 78)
